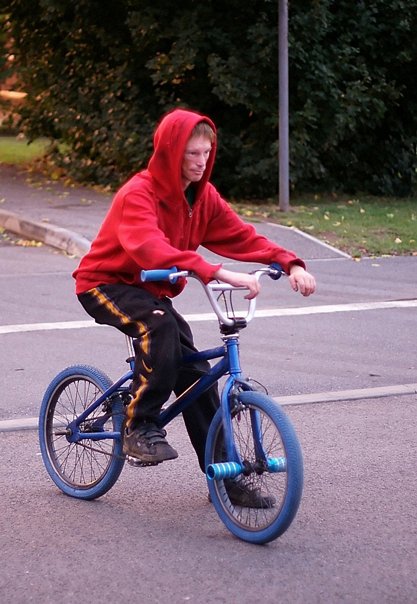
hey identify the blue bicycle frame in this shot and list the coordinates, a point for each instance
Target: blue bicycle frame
(229, 364)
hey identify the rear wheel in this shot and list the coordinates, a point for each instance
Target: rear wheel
(88, 468)
(256, 419)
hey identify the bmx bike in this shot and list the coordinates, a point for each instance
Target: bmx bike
(250, 438)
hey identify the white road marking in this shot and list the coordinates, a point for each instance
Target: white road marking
(201, 317)
(323, 397)
(25, 327)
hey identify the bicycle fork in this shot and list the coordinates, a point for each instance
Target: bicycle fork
(236, 465)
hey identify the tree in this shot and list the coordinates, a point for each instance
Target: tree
(353, 94)
(5, 72)
(101, 73)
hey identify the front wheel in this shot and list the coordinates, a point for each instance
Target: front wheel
(272, 459)
(87, 468)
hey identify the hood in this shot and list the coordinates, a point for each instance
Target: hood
(170, 140)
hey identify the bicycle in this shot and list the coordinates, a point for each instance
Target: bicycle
(250, 437)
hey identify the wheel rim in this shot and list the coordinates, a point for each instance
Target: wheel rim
(81, 465)
(270, 484)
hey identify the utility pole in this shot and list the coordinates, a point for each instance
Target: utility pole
(283, 130)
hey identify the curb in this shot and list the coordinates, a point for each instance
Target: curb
(347, 395)
(20, 424)
(74, 244)
(63, 239)
(361, 394)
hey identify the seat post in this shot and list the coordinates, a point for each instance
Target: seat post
(129, 344)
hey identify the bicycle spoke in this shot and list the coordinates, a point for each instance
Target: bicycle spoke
(261, 432)
(83, 463)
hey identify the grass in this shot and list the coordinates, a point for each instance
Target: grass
(359, 225)
(16, 151)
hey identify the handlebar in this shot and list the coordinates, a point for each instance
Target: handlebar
(274, 271)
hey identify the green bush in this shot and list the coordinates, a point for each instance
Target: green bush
(354, 98)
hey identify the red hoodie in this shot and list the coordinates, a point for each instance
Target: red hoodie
(151, 225)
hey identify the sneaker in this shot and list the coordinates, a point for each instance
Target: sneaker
(243, 494)
(147, 443)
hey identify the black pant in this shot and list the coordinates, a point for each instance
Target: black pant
(161, 337)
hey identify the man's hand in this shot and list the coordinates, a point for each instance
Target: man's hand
(239, 280)
(301, 280)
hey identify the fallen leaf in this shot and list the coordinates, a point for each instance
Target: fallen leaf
(27, 243)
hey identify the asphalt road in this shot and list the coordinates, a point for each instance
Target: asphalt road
(295, 354)
(154, 537)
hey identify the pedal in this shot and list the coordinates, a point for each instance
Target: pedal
(137, 463)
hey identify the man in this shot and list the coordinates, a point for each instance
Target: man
(158, 219)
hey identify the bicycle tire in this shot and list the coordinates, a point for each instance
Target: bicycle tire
(88, 469)
(279, 441)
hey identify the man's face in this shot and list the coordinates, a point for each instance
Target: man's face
(195, 159)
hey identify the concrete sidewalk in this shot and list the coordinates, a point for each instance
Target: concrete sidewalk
(68, 217)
